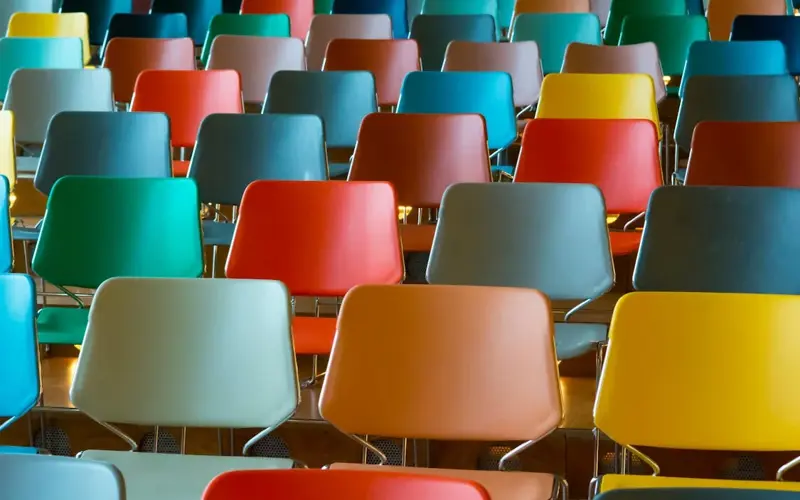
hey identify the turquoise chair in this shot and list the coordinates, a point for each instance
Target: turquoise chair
(505, 14)
(462, 7)
(554, 32)
(38, 53)
(275, 25)
(6, 256)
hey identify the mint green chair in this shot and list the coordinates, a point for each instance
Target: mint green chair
(275, 25)
(554, 32)
(96, 228)
(462, 7)
(38, 53)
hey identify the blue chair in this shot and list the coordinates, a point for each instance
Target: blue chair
(396, 9)
(100, 13)
(554, 32)
(434, 33)
(785, 29)
(715, 58)
(695, 8)
(38, 53)
(174, 25)
(199, 14)
(6, 255)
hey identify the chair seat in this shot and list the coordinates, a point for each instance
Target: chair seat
(611, 482)
(313, 335)
(21, 233)
(150, 476)
(18, 450)
(26, 166)
(180, 168)
(416, 237)
(338, 170)
(62, 325)
(500, 485)
(217, 233)
(576, 339)
(624, 243)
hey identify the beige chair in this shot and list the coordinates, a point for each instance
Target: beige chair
(186, 353)
(325, 28)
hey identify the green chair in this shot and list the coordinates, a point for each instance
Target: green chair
(96, 228)
(620, 9)
(323, 6)
(554, 32)
(275, 25)
(462, 7)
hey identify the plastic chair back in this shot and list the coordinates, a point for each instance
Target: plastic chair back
(462, 8)
(21, 477)
(19, 361)
(416, 321)
(486, 93)
(566, 261)
(172, 25)
(786, 29)
(551, 6)
(341, 98)
(393, 148)
(554, 32)
(126, 58)
(331, 236)
(233, 151)
(6, 249)
(396, 9)
(520, 60)
(434, 33)
(187, 97)
(620, 9)
(272, 25)
(695, 494)
(389, 61)
(720, 239)
(735, 99)
(8, 166)
(300, 12)
(107, 144)
(9, 7)
(199, 14)
(41, 25)
(601, 8)
(100, 13)
(673, 35)
(36, 95)
(45, 53)
(325, 28)
(115, 234)
(722, 13)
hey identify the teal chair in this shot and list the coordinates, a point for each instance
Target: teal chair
(462, 7)
(505, 14)
(554, 32)
(38, 53)
(6, 255)
(620, 9)
(274, 25)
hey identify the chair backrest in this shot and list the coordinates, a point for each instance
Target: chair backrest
(486, 93)
(745, 154)
(104, 144)
(550, 6)
(735, 99)
(8, 165)
(693, 494)
(566, 261)
(86, 479)
(396, 9)
(520, 60)
(42, 25)
(325, 28)
(9, 7)
(416, 322)
(611, 59)
(272, 25)
(341, 98)
(199, 14)
(389, 61)
(786, 29)
(300, 12)
(100, 13)
(45, 53)
(341, 484)
(126, 58)
(233, 151)
(434, 33)
(187, 97)
(673, 35)
(36, 95)
(737, 400)
(620, 9)
(601, 8)
(554, 32)
(19, 359)
(116, 233)
(722, 13)
(333, 236)
(168, 25)
(621, 157)
(462, 8)
(246, 335)
(421, 155)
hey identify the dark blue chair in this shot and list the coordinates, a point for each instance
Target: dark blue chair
(174, 25)
(434, 33)
(231, 6)
(100, 13)
(785, 29)
(695, 7)
(396, 9)
(199, 14)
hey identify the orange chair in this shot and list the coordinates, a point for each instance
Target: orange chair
(310, 484)
(551, 6)
(300, 12)
(187, 97)
(421, 155)
(721, 14)
(618, 156)
(319, 238)
(127, 57)
(388, 60)
(745, 154)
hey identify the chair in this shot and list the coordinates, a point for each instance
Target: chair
(141, 6)
(8, 169)
(396, 9)
(44, 53)
(341, 98)
(199, 14)
(114, 236)
(628, 59)
(738, 395)
(601, 8)
(567, 260)
(100, 13)
(698, 494)
(271, 25)
(551, 6)
(235, 150)
(462, 8)
(364, 485)
(41, 25)
(187, 97)
(517, 59)
(6, 249)
(421, 155)
(126, 58)
(722, 13)
(441, 401)
(618, 156)
(783, 28)
(300, 12)
(323, 6)
(325, 28)
(243, 334)
(389, 61)
(554, 32)
(9, 7)
(620, 9)
(434, 33)
(172, 25)
(21, 477)
(359, 244)
(231, 6)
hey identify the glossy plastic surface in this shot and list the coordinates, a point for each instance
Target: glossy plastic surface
(620, 9)
(434, 33)
(9, 7)
(699, 493)
(325, 28)
(100, 13)
(786, 29)
(300, 12)
(396, 9)
(722, 13)
(199, 14)
(21, 477)
(272, 25)
(155, 25)
(19, 358)
(8, 151)
(462, 8)
(52, 53)
(40, 25)
(554, 32)
(551, 6)
(673, 35)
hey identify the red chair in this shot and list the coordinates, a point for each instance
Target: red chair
(618, 156)
(300, 12)
(309, 484)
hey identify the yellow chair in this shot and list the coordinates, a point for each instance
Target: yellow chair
(45, 25)
(597, 96)
(8, 157)
(725, 381)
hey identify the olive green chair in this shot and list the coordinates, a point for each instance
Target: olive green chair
(274, 25)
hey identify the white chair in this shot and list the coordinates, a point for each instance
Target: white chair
(43, 477)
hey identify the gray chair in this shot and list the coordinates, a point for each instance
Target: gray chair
(42, 477)
(551, 237)
(341, 98)
(434, 33)
(234, 150)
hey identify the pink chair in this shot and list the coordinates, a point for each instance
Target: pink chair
(325, 28)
